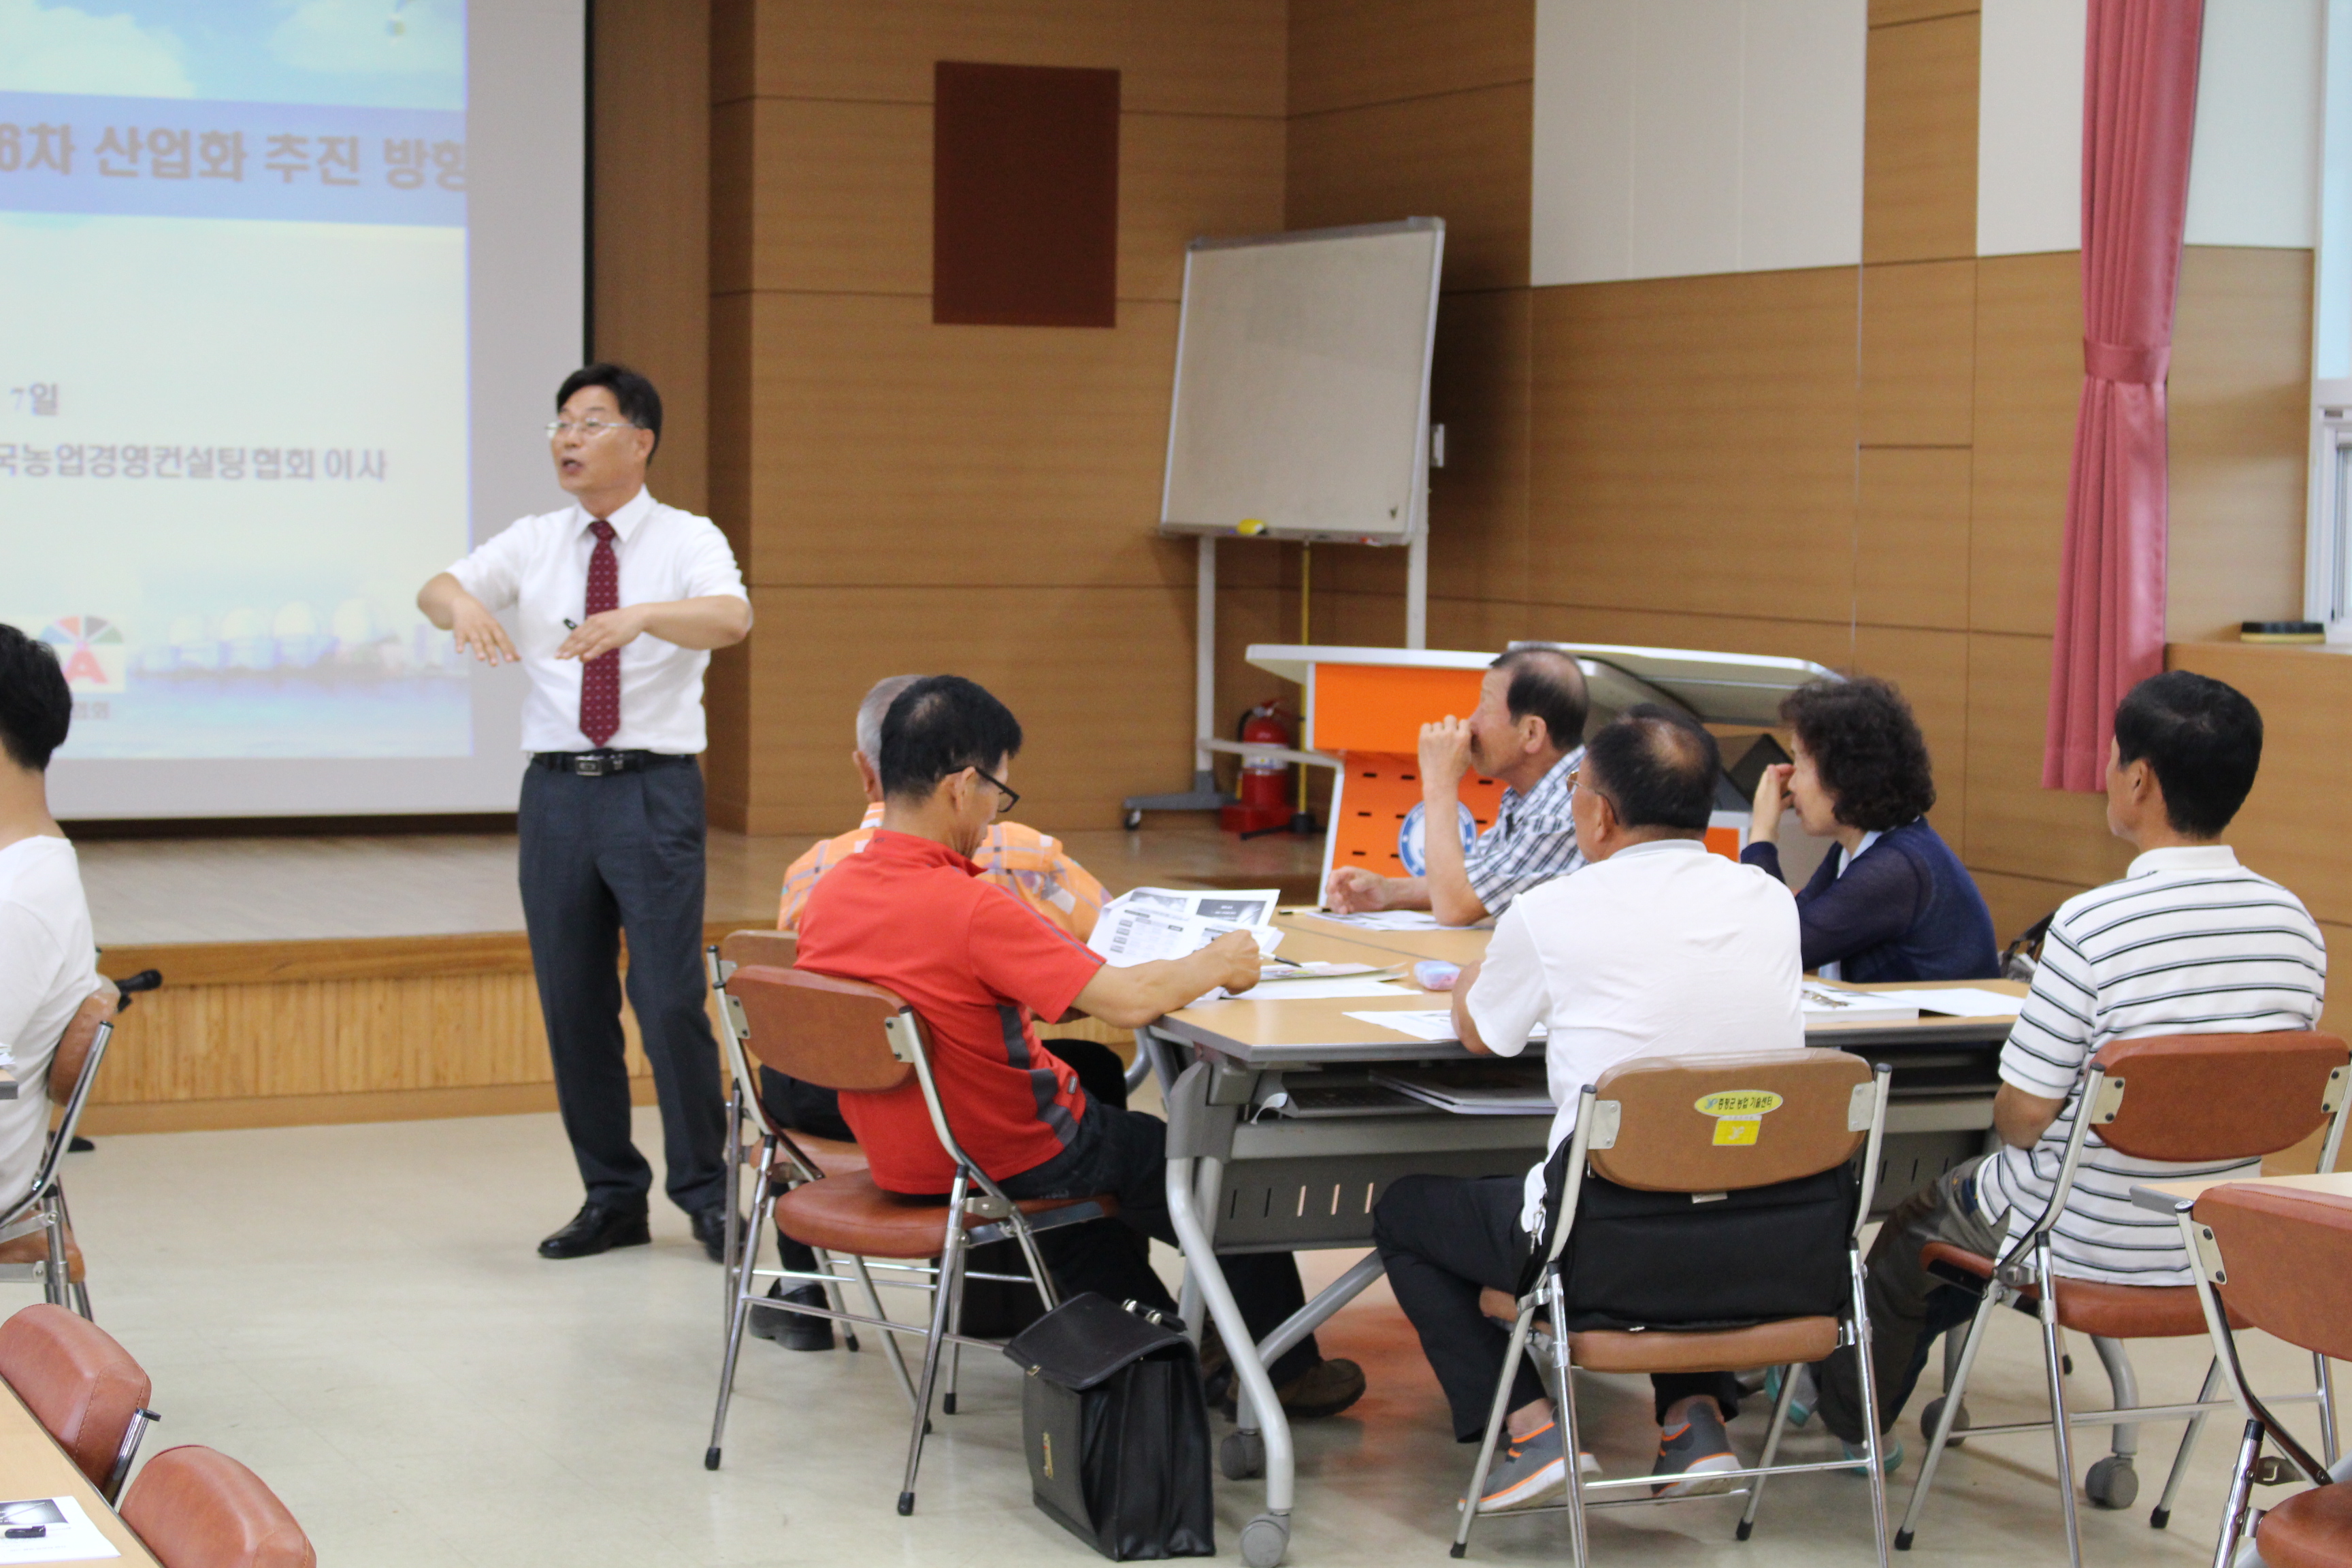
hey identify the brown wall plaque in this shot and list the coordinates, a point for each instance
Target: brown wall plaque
(1024, 196)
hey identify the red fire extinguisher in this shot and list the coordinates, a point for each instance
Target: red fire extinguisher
(1265, 782)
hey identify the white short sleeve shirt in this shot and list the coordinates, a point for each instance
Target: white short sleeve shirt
(1664, 948)
(49, 965)
(537, 570)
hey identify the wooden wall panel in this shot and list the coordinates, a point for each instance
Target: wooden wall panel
(1693, 444)
(1184, 57)
(1932, 668)
(2240, 421)
(1096, 672)
(840, 196)
(1479, 391)
(1466, 157)
(885, 448)
(1919, 141)
(2015, 826)
(2017, 902)
(2292, 827)
(1911, 540)
(651, 230)
(2029, 383)
(1888, 13)
(1184, 176)
(1346, 54)
(1918, 353)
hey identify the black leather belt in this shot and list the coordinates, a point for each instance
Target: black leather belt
(596, 764)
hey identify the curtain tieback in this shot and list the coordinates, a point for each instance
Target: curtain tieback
(2121, 362)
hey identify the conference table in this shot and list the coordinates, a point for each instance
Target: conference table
(33, 1465)
(1280, 1137)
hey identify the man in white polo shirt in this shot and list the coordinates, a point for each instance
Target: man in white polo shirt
(1656, 945)
(616, 601)
(47, 962)
(2189, 943)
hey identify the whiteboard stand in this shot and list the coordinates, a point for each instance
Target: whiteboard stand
(1301, 412)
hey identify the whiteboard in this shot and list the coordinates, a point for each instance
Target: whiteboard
(1302, 385)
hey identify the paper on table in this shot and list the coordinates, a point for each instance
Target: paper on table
(1958, 1002)
(71, 1537)
(1323, 990)
(1162, 922)
(1435, 1024)
(1824, 1003)
(1384, 920)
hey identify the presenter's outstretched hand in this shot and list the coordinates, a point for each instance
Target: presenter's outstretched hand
(601, 633)
(1352, 890)
(1771, 800)
(477, 632)
(1444, 756)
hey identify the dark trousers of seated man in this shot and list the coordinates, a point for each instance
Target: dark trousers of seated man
(1119, 1152)
(1909, 1308)
(1445, 1238)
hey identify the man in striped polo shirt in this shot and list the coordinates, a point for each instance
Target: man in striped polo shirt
(2189, 943)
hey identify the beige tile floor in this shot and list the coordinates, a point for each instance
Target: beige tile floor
(357, 1313)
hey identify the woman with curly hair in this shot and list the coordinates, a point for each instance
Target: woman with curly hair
(1891, 902)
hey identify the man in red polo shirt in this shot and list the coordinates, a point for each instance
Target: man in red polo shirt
(979, 967)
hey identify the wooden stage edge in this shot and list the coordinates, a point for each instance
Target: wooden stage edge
(333, 1109)
(338, 958)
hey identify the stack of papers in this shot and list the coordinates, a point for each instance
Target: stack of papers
(1475, 1088)
(1384, 920)
(1152, 923)
(1360, 988)
(66, 1533)
(1956, 1002)
(1824, 1006)
(1435, 1024)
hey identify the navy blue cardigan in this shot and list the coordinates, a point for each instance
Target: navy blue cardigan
(1906, 910)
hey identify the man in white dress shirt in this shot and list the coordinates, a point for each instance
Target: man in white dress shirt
(47, 962)
(617, 602)
(1656, 946)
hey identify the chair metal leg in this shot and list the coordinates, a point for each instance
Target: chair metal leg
(2324, 1377)
(889, 1340)
(55, 1285)
(2161, 1515)
(736, 1317)
(836, 1296)
(2242, 1486)
(1953, 1390)
(1771, 1448)
(955, 1347)
(943, 1291)
(1873, 1437)
(2060, 1434)
(1571, 1447)
(1494, 1426)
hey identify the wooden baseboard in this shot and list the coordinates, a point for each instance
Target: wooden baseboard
(331, 1110)
(186, 964)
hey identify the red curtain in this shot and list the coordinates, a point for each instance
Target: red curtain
(2139, 111)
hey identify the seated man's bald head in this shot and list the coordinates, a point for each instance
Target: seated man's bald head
(1657, 767)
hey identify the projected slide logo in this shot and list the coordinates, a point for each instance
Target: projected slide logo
(92, 653)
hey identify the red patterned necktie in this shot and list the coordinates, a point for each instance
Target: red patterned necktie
(600, 677)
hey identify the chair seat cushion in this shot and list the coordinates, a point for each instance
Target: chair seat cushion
(2310, 1529)
(849, 1212)
(1711, 1350)
(832, 1157)
(2093, 1307)
(34, 1247)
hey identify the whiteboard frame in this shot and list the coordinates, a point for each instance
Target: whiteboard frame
(1417, 525)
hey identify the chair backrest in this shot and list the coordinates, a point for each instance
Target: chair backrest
(2189, 1097)
(197, 1508)
(76, 1381)
(74, 1045)
(768, 949)
(1717, 1123)
(2286, 1259)
(820, 1029)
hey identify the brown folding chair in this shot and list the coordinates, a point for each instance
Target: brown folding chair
(2191, 1099)
(36, 1242)
(2280, 1260)
(81, 1385)
(1653, 1125)
(197, 1508)
(853, 1037)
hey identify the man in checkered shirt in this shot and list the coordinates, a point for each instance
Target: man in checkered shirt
(1527, 732)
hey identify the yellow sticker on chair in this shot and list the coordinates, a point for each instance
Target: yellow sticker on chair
(1738, 1114)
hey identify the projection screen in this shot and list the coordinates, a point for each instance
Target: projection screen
(285, 289)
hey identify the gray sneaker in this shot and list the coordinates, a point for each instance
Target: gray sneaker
(1529, 1471)
(1692, 1456)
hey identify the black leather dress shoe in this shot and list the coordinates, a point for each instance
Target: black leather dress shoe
(598, 1228)
(710, 1229)
(793, 1331)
